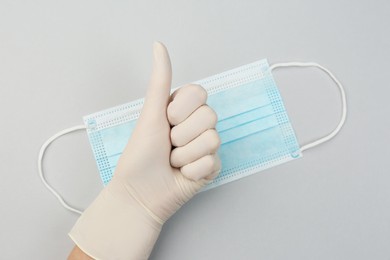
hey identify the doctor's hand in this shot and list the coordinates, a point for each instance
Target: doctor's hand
(170, 156)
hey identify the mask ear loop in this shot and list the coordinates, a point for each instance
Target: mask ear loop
(40, 169)
(342, 93)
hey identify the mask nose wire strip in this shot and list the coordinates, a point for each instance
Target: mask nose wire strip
(40, 169)
(342, 93)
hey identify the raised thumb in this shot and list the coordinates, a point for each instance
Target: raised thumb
(158, 93)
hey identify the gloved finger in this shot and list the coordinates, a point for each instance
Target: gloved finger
(202, 168)
(185, 101)
(158, 93)
(214, 174)
(199, 121)
(206, 143)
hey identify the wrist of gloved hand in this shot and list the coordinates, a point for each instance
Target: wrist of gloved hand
(116, 226)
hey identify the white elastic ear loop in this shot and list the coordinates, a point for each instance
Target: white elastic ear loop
(40, 170)
(342, 93)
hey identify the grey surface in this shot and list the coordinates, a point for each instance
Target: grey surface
(60, 60)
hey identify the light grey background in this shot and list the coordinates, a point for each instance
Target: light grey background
(61, 60)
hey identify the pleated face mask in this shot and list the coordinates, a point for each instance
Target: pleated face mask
(253, 124)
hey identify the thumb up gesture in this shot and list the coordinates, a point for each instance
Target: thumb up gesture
(170, 156)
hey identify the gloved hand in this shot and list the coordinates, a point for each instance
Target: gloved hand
(170, 156)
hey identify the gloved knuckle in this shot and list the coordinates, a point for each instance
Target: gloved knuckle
(213, 139)
(198, 91)
(209, 113)
(209, 162)
(214, 117)
(173, 114)
(175, 137)
(175, 159)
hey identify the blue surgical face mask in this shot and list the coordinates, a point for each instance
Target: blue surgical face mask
(253, 125)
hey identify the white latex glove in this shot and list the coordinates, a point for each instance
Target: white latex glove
(170, 156)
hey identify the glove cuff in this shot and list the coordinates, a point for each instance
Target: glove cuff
(114, 228)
